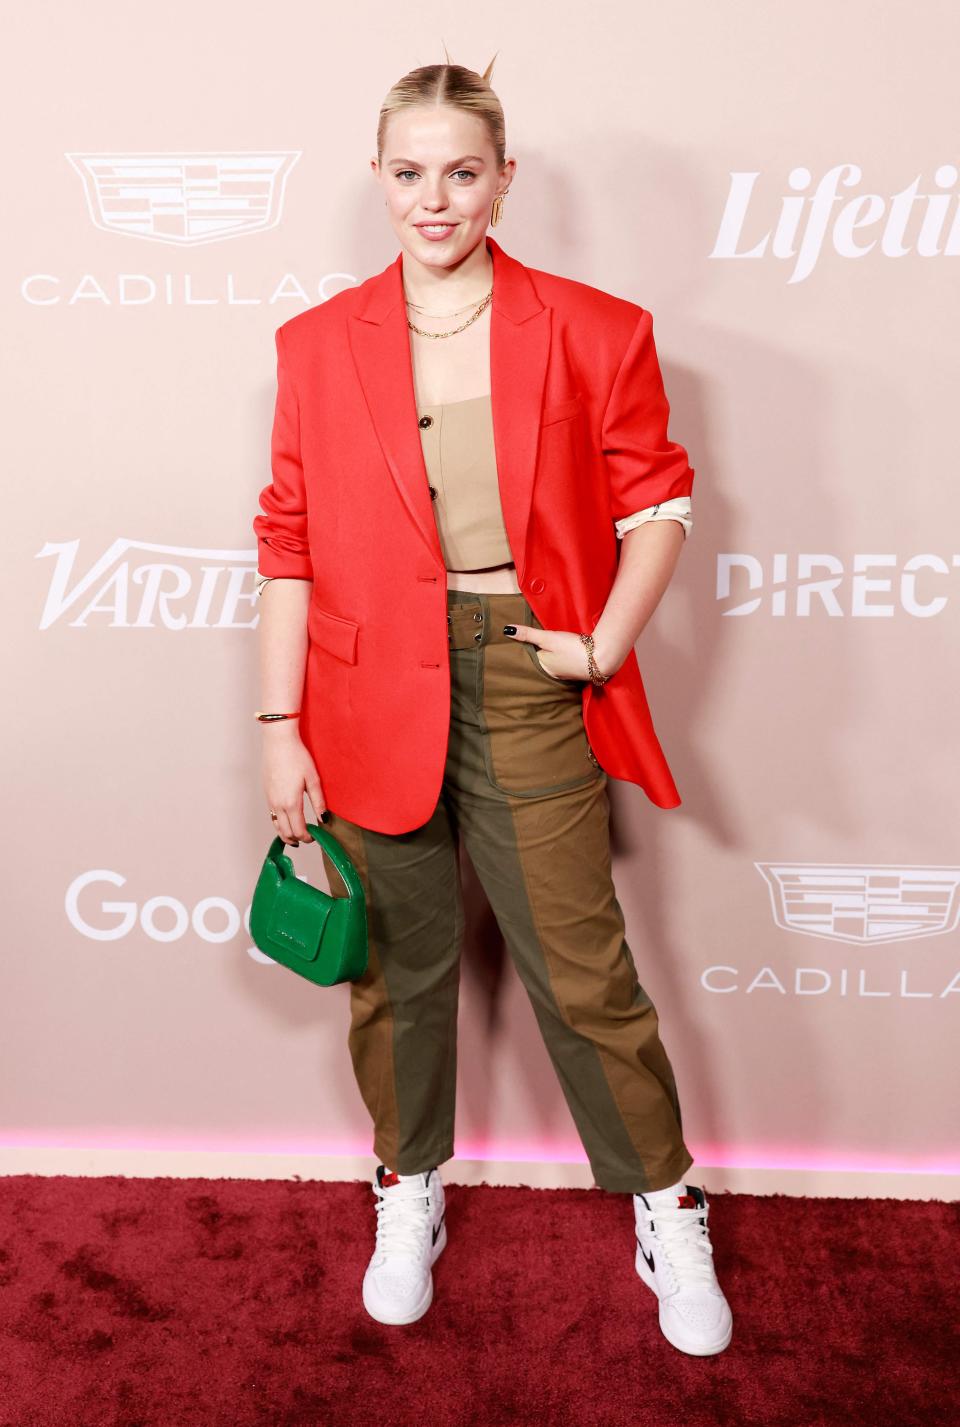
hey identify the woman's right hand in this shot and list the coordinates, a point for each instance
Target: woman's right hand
(288, 772)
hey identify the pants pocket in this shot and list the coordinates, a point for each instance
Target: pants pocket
(534, 653)
(534, 739)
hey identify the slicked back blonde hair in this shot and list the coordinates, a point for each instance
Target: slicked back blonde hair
(448, 84)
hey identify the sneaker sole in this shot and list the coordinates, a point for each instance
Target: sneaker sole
(384, 1315)
(684, 1345)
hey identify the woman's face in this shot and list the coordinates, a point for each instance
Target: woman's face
(439, 168)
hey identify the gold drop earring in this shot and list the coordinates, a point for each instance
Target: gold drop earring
(496, 212)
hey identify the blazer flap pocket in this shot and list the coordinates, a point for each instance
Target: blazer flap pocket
(560, 410)
(333, 632)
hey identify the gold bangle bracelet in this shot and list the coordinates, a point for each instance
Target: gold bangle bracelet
(271, 717)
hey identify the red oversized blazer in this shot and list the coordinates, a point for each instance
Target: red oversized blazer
(580, 431)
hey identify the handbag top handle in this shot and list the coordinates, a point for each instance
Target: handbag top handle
(335, 852)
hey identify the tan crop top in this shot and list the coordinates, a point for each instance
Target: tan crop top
(458, 450)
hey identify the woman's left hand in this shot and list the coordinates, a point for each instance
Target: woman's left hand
(561, 652)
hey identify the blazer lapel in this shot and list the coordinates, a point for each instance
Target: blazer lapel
(519, 349)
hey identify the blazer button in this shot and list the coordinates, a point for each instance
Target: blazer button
(536, 586)
(426, 421)
(433, 492)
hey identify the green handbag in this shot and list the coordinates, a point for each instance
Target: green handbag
(321, 937)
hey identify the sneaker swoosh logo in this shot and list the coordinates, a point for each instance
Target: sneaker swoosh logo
(436, 1227)
(648, 1257)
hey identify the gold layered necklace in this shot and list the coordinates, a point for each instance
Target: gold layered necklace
(479, 310)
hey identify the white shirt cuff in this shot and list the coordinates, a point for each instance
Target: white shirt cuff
(679, 508)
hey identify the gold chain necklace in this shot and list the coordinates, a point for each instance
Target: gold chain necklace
(455, 313)
(484, 304)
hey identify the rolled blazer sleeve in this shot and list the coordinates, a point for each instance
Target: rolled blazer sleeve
(645, 468)
(281, 529)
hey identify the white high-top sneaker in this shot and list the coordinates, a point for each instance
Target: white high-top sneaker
(675, 1259)
(411, 1235)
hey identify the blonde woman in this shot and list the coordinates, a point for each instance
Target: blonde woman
(474, 511)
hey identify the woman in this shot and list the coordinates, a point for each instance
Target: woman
(463, 430)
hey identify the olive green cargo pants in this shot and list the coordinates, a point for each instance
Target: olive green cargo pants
(525, 791)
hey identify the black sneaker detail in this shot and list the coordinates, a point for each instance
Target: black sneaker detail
(648, 1257)
(436, 1227)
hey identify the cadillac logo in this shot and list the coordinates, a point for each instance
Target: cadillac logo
(184, 198)
(863, 903)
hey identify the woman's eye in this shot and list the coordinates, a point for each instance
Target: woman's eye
(401, 173)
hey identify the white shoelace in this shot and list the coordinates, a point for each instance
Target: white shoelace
(400, 1228)
(684, 1241)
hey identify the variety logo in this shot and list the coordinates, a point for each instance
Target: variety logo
(185, 198)
(863, 586)
(181, 587)
(927, 224)
(190, 584)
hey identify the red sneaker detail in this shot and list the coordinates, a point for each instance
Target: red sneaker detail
(388, 1180)
(686, 1201)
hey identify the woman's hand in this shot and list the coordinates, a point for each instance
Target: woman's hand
(561, 652)
(288, 773)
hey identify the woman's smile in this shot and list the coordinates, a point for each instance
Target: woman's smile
(435, 231)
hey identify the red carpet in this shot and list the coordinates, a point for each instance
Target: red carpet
(228, 1303)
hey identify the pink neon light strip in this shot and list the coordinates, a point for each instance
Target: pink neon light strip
(514, 1151)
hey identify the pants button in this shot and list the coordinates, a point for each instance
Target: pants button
(479, 635)
(477, 617)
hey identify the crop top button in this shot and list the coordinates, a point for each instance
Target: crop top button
(426, 421)
(537, 585)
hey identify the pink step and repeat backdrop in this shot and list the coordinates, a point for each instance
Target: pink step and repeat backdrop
(780, 187)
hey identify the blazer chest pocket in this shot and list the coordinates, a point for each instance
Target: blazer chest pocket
(333, 632)
(561, 410)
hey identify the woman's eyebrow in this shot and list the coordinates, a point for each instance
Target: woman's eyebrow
(452, 164)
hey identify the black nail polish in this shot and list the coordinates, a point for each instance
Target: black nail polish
(509, 629)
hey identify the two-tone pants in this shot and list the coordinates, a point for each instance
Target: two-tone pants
(524, 791)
